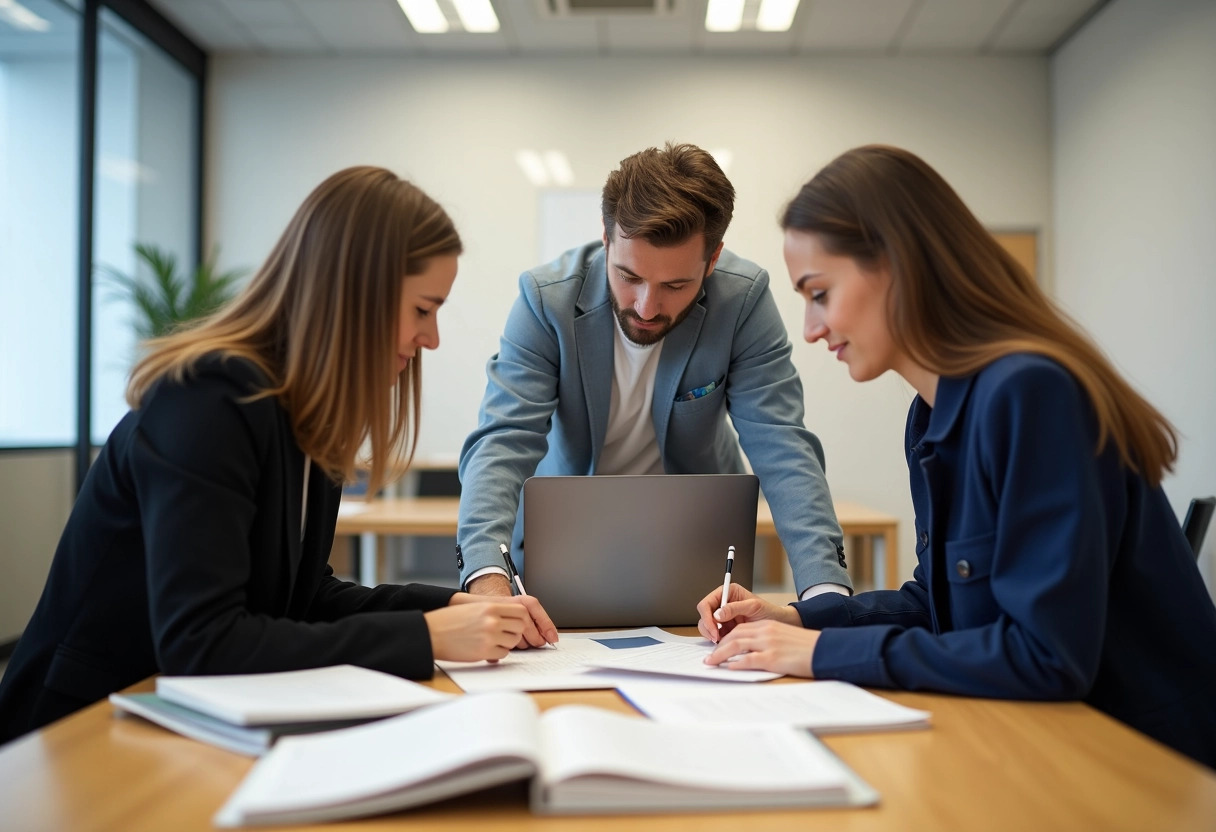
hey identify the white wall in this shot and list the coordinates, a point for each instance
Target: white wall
(278, 126)
(37, 489)
(1134, 151)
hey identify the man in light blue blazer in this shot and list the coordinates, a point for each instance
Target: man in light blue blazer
(626, 356)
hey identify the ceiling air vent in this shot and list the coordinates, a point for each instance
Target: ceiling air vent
(608, 8)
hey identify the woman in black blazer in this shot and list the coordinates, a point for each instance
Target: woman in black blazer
(199, 542)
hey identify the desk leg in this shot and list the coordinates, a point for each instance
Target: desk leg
(368, 557)
(863, 561)
(891, 577)
(774, 561)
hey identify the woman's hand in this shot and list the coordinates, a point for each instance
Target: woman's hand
(742, 606)
(539, 629)
(472, 631)
(767, 645)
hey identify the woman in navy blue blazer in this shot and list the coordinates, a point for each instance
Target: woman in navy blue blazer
(1049, 562)
(200, 540)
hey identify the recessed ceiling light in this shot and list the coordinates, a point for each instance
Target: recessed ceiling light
(776, 15)
(760, 15)
(424, 16)
(724, 15)
(476, 15)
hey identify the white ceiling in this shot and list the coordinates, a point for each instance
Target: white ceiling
(528, 27)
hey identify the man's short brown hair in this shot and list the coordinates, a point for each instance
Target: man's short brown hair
(666, 196)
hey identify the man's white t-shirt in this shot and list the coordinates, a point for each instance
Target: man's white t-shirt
(630, 446)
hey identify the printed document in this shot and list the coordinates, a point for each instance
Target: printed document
(826, 707)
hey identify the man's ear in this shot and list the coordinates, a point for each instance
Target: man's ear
(713, 260)
(603, 233)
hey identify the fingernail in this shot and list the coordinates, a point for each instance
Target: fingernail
(718, 615)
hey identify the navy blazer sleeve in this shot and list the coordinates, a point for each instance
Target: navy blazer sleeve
(1029, 615)
(907, 606)
(197, 462)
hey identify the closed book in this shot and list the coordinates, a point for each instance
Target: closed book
(312, 695)
(247, 713)
(243, 739)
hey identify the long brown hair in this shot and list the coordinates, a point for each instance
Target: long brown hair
(666, 196)
(320, 320)
(958, 300)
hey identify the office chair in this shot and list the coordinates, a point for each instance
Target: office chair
(1198, 517)
(437, 482)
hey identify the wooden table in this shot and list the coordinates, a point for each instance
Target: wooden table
(870, 536)
(984, 765)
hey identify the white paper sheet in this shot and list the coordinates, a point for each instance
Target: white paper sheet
(564, 666)
(824, 707)
(684, 659)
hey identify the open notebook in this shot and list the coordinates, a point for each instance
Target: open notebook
(581, 760)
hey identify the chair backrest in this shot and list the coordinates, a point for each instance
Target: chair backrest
(437, 482)
(1198, 518)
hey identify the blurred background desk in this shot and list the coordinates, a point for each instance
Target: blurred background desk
(870, 537)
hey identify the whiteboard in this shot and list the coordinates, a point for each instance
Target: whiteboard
(569, 217)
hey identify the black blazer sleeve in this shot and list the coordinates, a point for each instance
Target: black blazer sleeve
(337, 599)
(211, 481)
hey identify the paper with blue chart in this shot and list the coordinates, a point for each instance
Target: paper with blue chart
(587, 661)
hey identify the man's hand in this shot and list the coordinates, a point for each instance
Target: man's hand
(491, 583)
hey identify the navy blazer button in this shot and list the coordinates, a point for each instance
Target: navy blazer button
(924, 538)
(963, 568)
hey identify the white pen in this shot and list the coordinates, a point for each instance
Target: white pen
(506, 555)
(730, 562)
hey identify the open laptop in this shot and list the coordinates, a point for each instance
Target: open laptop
(628, 551)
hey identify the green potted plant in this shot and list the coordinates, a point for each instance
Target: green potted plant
(163, 299)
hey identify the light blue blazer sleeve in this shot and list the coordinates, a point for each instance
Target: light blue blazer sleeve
(765, 400)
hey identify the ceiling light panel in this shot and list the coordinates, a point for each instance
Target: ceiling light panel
(476, 15)
(424, 15)
(776, 15)
(724, 15)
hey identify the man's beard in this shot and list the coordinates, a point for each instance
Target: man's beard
(646, 337)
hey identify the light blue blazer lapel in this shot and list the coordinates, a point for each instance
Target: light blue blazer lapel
(677, 350)
(593, 336)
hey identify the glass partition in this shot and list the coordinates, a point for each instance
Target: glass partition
(145, 192)
(39, 217)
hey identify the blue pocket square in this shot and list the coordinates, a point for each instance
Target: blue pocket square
(698, 392)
